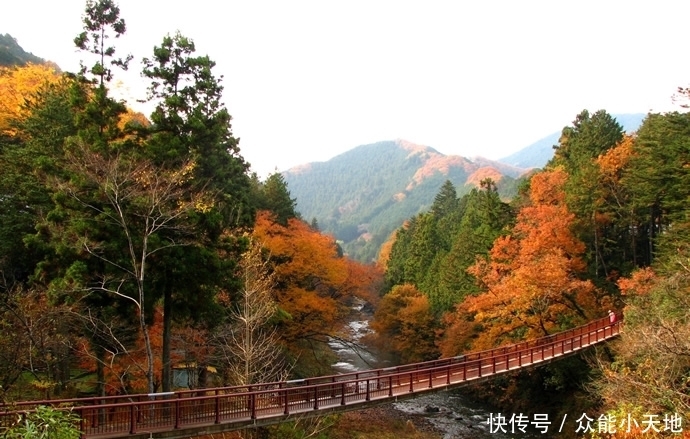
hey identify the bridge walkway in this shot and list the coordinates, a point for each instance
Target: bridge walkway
(188, 413)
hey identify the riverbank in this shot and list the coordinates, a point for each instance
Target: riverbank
(384, 422)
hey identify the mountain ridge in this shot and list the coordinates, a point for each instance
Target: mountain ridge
(364, 194)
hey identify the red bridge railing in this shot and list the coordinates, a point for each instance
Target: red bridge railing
(120, 416)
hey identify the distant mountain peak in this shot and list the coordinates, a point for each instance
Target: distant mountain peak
(436, 162)
(414, 148)
(540, 152)
(12, 54)
(483, 173)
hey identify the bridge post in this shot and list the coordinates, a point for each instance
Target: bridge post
(316, 397)
(411, 384)
(342, 393)
(97, 413)
(368, 397)
(287, 402)
(177, 411)
(132, 420)
(252, 404)
(431, 378)
(390, 385)
(217, 421)
(82, 424)
(448, 374)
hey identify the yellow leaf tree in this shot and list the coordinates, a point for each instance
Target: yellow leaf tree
(17, 88)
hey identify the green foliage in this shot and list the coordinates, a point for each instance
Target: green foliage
(317, 428)
(101, 21)
(433, 250)
(659, 180)
(273, 195)
(589, 137)
(190, 122)
(45, 423)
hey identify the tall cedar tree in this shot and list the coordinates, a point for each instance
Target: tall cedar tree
(580, 144)
(433, 250)
(190, 123)
(23, 197)
(658, 179)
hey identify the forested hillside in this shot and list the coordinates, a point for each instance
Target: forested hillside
(603, 227)
(363, 195)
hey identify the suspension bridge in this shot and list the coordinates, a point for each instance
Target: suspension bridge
(187, 414)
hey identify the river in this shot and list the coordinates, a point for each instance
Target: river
(450, 412)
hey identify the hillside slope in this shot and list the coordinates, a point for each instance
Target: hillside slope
(12, 54)
(364, 194)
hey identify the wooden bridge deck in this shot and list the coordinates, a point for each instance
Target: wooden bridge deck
(190, 413)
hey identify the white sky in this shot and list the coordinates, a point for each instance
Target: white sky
(307, 80)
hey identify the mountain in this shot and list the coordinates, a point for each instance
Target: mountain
(540, 152)
(11, 53)
(363, 195)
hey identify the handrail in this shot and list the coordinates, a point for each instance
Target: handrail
(266, 400)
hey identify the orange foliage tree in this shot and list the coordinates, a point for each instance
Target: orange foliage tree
(314, 283)
(125, 363)
(531, 277)
(405, 325)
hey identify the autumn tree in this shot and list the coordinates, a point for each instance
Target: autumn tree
(249, 341)
(19, 87)
(404, 325)
(138, 204)
(651, 360)
(190, 123)
(35, 341)
(314, 285)
(531, 277)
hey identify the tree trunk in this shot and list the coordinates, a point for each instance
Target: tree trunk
(167, 327)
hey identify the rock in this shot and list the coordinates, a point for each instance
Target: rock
(431, 409)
